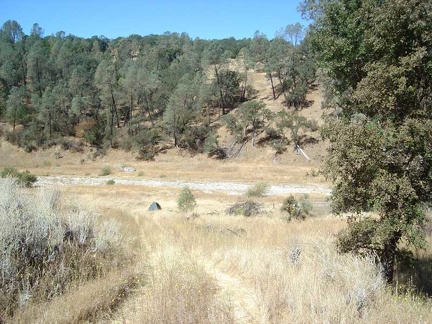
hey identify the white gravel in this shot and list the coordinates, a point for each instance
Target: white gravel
(231, 188)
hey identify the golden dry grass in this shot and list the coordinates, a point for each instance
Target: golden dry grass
(199, 270)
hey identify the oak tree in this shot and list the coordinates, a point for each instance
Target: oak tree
(378, 56)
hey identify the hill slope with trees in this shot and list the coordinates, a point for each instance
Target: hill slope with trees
(141, 92)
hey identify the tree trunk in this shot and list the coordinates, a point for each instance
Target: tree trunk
(112, 126)
(243, 93)
(130, 116)
(281, 82)
(147, 107)
(220, 91)
(253, 136)
(388, 257)
(115, 109)
(14, 119)
(272, 85)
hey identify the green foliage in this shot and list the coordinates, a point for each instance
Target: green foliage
(259, 189)
(279, 145)
(294, 123)
(110, 182)
(297, 208)
(186, 201)
(228, 83)
(106, 170)
(25, 178)
(289, 65)
(16, 112)
(256, 115)
(212, 148)
(252, 116)
(234, 126)
(29, 138)
(380, 154)
(144, 142)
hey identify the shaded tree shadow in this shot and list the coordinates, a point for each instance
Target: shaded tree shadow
(307, 140)
(415, 273)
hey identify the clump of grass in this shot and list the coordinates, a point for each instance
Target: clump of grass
(110, 182)
(106, 170)
(46, 246)
(186, 201)
(24, 178)
(259, 189)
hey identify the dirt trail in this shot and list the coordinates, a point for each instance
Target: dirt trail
(233, 290)
(241, 297)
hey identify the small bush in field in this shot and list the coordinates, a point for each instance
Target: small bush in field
(186, 200)
(298, 209)
(106, 170)
(259, 189)
(247, 208)
(110, 182)
(24, 178)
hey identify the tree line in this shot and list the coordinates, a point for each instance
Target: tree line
(139, 91)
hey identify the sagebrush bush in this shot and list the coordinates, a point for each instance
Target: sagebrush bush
(298, 209)
(186, 200)
(259, 189)
(106, 170)
(45, 246)
(247, 208)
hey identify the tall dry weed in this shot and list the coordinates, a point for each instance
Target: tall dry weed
(307, 281)
(45, 246)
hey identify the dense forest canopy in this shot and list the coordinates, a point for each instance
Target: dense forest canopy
(137, 91)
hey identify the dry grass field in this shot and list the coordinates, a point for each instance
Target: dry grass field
(206, 266)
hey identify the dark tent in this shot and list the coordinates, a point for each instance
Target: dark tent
(154, 206)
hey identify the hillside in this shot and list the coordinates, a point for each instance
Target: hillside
(252, 164)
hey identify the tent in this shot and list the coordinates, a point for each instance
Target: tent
(154, 206)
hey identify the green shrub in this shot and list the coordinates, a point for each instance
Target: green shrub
(298, 209)
(279, 145)
(110, 182)
(259, 189)
(212, 148)
(106, 170)
(186, 200)
(25, 178)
